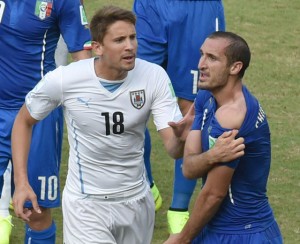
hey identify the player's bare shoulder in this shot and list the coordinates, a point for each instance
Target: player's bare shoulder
(231, 115)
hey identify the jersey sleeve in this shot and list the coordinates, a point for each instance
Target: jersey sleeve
(45, 96)
(200, 101)
(165, 107)
(73, 25)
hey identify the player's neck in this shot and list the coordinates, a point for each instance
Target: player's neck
(107, 72)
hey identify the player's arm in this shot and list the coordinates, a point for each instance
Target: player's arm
(217, 182)
(174, 136)
(196, 163)
(227, 147)
(74, 29)
(207, 203)
(173, 144)
(83, 54)
(21, 139)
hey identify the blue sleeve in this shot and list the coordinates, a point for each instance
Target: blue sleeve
(201, 99)
(73, 25)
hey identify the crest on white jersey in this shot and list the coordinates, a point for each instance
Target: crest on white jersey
(138, 98)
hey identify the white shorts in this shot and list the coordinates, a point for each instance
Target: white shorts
(90, 219)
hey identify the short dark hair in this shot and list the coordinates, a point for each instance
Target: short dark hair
(237, 50)
(105, 17)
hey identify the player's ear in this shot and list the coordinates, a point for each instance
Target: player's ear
(236, 67)
(97, 47)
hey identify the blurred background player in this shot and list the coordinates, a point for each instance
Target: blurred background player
(170, 33)
(29, 32)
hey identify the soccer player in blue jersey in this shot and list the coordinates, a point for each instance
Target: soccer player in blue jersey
(169, 34)
(232, 206)
(29, 31)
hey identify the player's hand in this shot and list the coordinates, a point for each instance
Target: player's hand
(24, 193)
(183, 126)
(228, 148)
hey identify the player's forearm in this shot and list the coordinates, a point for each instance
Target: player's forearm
(198, 165)
(21, 138)
(83, 54)
(206, 206)
(175, 147)
(173, 144)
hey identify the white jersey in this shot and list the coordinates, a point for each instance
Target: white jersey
(106, 129)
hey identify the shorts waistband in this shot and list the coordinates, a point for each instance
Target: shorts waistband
(136, 193)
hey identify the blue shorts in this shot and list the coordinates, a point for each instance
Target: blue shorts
(170, 33)
(44, 156)
(271, 235)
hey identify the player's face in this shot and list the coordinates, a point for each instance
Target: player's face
(214, 70)
(118, 50)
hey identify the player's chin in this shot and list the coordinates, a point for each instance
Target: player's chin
(202, 84)
(129, 66)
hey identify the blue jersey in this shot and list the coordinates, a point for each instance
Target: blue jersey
(245, 209)
(170, 33)
(29, 31)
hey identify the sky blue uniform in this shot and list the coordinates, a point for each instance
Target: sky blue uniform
(245, 209)
(29, 31)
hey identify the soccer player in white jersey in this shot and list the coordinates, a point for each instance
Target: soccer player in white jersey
(107, 101)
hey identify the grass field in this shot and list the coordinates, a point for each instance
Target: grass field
(272, 29)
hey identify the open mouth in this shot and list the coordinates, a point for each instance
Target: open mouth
(203, 76)
(129, 58)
